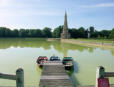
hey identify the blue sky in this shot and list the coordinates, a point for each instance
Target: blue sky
(50, 13)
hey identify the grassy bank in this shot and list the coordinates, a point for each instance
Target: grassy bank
(96, 40)
(103, 43)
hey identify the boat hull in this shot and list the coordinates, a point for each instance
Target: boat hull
(68, 67)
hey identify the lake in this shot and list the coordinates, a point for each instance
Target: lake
(22, 53)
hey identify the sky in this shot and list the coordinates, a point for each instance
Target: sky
(16, 14)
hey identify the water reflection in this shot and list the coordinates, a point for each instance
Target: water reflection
(76, 68)
(86, 59)
(72, 73)
(112, 52)
(24, 42)
(39, 70)
(37, 43)
(65, 47)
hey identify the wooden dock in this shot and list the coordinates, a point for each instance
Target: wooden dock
(54, 75)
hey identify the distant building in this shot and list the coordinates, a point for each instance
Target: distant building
(88, 33)
(65, 34)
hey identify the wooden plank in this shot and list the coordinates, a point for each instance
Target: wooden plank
(54, 75)
(7, 76)
(109, 74)
(87, 86)
(52, 63)
(7, 86)
(111, 85)
(56, 83)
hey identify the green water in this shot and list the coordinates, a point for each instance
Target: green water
(16, 53)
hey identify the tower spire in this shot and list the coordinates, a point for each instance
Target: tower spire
(65, 21)
(65, 34)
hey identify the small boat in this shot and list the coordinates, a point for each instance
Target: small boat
(54, 58)
(68, 63)
(41, 60)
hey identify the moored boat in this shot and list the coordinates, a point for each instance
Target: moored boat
(68, 63)
(41, 60)
(54, 58)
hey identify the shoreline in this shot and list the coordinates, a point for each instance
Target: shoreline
(90, 44)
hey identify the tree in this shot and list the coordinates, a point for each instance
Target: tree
(5, 32)
(22, 33)
(30, 32)
(112, 34)
(105, 33)
(15, 33)
(46, 32)
(57, 32)
(38, 33)
(95, 34)
(74, 33)
(81, 31)
(92, 30)
(35, 33)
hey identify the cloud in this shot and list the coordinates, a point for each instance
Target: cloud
(28, 12)
(10, 8)
(99, 5)
(3, 2)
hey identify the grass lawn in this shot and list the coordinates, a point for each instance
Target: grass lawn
(96, 40)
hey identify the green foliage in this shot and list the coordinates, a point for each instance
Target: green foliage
(46, 32)
(57, 32)
(105, 33)
(15, 33)
(22, 33)
(92, 32)
(112, 34)
(74, 33)
(5, 32)
(81, 31)
(91, 29)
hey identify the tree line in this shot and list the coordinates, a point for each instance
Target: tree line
(56, 33)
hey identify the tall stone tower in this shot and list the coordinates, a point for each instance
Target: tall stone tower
(65, 34)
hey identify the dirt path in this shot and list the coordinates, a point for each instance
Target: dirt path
(90, 44)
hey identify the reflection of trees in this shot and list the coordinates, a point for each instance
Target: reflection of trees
(76, 67)
(56, 45)
(112, 53)
(37, 43)
(74, 80)
(24, 42)
(64, 47)
(91, 49)
(72, 74)
(39, 70)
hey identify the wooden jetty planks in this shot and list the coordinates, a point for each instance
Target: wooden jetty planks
(7, 76)
(111, 85)
(54, 75)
